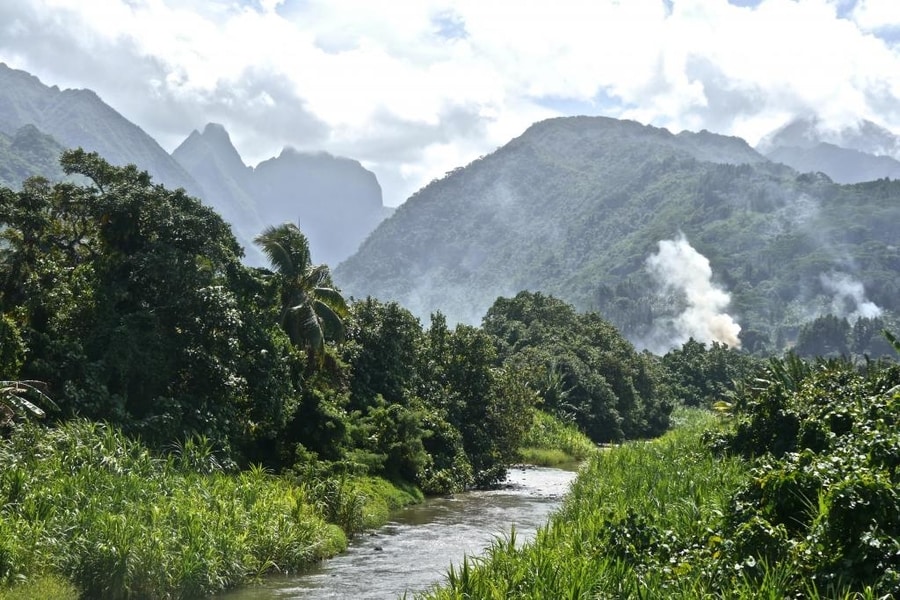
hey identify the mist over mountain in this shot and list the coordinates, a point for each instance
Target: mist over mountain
(850, 155)
(807, 132)
(842, 165)
(576, 206)
(80, 118)
(336, 201)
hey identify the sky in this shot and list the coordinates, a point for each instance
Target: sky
(415, 88)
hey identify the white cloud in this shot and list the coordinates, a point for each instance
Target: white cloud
(872, 15)
(416, 88)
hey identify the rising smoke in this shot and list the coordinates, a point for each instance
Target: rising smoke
(679, 268)
(849, 297)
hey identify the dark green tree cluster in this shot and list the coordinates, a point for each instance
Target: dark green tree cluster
(833, 337)
(432, 405)
(697, 375)
(583, 368)
(133, 307)
(129, 301)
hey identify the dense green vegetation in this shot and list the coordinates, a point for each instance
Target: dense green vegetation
(582, 367)
(552, 442)
(175, 382)
(84, 501)
(794, 496)
(206, 423)
(575, 206)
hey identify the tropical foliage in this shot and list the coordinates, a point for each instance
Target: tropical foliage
(792, 496)
(125, 313)
(697, 375)
(583, 369)
(84, 501)
(311, 309)
(823, 491)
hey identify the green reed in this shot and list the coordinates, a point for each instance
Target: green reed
(639, 522)
(86, 503)
(553, 442)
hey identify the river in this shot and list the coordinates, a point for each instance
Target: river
(416, 548)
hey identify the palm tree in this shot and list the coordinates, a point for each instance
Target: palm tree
(311, 309)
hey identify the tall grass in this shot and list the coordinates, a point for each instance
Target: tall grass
(46, 587)
(638, 523)
(84, 502)
(552, 442)
(643, 520)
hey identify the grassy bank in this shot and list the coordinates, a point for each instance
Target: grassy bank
(552, 443)
(637, 524)
(796, 498)
(83, 503)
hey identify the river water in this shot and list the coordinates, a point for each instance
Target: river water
(414, 551)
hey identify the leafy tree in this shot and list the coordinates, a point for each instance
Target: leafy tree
(583, 368)
(490, 406)
(132, 305)
(450, 469)
(866, 338)
(312, 310)
(701, 376)
(382, 349)
(824, 336)
(383, 345)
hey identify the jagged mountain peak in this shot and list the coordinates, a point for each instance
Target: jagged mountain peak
(9, 73)
(213, 143)
(335, 199)
(80, 118)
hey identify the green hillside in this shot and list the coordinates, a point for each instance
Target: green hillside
(575, 206)
(27, 153)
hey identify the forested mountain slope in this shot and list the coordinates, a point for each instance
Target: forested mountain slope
(26, 153)
(79, 118)
(575, 206)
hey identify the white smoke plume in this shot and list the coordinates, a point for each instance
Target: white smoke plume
(849, 298)
(679, 268)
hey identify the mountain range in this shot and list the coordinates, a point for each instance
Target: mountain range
(336, 201)
(577, 206)
(657, 231)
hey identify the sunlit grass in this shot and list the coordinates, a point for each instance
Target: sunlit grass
(86, 503)
(643, 520)
(46, 587)
(551, 442)
(627, 502)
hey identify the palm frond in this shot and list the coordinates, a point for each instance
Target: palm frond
(286, 248)
(13, 398)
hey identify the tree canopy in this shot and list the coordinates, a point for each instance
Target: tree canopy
(130, 302)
